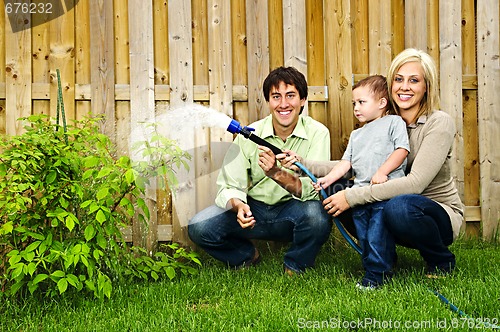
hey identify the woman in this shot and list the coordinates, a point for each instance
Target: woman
(424, 210)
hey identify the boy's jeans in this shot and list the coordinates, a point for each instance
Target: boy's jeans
(376, 242)
(305, 224)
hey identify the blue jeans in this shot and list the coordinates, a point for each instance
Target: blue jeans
(377, 244)
(305, 224)
(418, 222)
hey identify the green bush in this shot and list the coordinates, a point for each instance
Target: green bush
(64, 197)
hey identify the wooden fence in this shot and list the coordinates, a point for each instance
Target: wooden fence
(134, 60)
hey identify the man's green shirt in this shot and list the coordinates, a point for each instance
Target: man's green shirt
(241, 176)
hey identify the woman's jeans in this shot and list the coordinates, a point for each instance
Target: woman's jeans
(305, 224)
(413, 221)
(418, 222)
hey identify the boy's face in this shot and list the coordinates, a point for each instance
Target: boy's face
(366, 107)
(285, 105)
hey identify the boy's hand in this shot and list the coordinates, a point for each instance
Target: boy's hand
(378, 178)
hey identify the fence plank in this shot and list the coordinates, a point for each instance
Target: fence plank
(18, 70)
(339, 73)
(221, 89)
(102, 63)
(488, 72)
(82, 55)
(257, 56)
(450, 51)
(2, 70)
(294, 37)
(181, 84)
(469, 101)
(380, 36)
(315, 58)
(142, 103)
(416, 24)
(62, 57)
(40, 63)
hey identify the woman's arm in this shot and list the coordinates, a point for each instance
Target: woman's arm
(431, 147)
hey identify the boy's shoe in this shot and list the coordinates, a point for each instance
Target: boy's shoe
(366, 284)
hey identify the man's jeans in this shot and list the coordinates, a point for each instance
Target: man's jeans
(375, 241)
(418, 222)
(305, 224)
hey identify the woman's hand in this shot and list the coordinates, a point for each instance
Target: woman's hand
(336, 204)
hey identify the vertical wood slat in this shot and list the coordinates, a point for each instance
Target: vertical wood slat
(62, 57)
(239, 56)
(3, 22)
(488, 72)
(433, 31)
(360, 37)
(17, 70)
(450, 50)
(162, 74)
(82, 54)
(337, 27)
(416, 24)
(181, 94)
(257, 56)
(380, 36)
(102, 63)
(316, 56)
(294, 37)
(275, 33)
(122, 74)
(469, 101)
(40, 62)
(220, 85)
(142, 102)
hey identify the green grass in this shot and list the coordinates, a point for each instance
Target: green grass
(264, 299)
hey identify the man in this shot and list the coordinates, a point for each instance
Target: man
(259, 200)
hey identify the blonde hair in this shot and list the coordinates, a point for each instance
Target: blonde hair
(430, 101)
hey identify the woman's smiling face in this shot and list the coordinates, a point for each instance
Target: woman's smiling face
(409, 87)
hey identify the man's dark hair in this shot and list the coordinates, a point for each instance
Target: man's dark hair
(287, 75)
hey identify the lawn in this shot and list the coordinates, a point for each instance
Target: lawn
(262, 298)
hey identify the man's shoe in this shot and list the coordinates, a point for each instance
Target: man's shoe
(257, 258)
(290, 272)
(367, 285)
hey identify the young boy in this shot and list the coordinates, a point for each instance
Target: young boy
(376, 153)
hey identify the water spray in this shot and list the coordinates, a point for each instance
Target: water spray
(235, 128)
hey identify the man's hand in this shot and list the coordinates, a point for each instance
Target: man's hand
(243, 214)
(267, 161)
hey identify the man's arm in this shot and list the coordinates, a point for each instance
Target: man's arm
(287, 180)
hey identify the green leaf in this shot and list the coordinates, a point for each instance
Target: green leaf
(51, 176)
(40, 277)
(89, 232)
(58, 274)
(100, 217)
(62, 285)
(103, 172)
(102, 193)
(70, 221)
(32, 246)
(170, 271)
(101, 241)
(7, 227)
